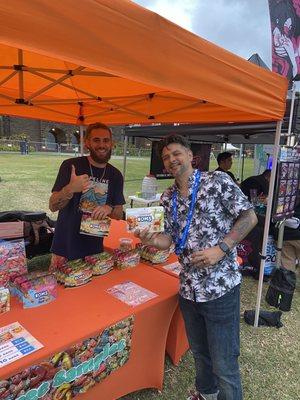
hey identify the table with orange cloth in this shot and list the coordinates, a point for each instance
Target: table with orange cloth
(83, 312)
(177, 342)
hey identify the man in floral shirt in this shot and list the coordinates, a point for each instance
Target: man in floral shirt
(206, 215)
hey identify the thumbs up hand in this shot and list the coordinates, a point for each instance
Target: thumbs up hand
(78, 183)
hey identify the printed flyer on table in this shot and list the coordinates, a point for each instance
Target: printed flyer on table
(15, 343)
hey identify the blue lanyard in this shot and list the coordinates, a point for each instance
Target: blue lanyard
(180, 243)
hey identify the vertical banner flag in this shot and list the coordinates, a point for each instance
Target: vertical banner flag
(285, 27)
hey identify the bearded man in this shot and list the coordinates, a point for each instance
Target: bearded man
(86, 184)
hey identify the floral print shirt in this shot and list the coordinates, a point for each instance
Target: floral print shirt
(219, 203)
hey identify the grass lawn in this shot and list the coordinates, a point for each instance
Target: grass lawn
(269, 357)
(26, 181)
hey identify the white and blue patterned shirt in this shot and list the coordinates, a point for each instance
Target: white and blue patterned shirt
(219, 203)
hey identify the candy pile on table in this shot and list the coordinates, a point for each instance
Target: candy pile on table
(100, 263)
(4, 300)
(34, 289)
(12, 260)
(74, 273)
(125, 244)
(126, 259)
(152, 254)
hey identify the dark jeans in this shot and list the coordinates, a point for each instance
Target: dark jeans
(213, 333)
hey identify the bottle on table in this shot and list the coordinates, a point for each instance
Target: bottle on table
(149, 187)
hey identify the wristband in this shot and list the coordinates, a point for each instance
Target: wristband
(225, 248)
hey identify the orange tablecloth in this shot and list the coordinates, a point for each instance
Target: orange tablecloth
(177, 343)
(83, 312)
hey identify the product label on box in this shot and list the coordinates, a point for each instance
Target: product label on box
(147, 217)
(15, 343)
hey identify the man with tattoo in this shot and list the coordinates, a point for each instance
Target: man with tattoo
(206, 215)
(90, 184)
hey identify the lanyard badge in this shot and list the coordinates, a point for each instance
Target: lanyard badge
(181, 242)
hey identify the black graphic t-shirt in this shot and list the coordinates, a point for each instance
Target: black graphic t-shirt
(68, 242)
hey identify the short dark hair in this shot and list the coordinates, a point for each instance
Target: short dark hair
(266, 172)
(172, 138)
(223, 156)
(96, 125)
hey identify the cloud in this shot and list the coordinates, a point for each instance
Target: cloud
(240, 26)
(178, 11)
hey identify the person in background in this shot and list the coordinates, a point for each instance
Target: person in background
(206, 215)
(260, 183)
(91, 180)
(224, 161)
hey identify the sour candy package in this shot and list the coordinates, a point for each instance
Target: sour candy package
(12, 260)
(149, 217)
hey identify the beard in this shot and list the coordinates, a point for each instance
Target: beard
(100, 159)
(181, 169)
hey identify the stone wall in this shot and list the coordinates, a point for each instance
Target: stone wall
(34, 130)
(66, 130)
(25, 127)
(38, 131)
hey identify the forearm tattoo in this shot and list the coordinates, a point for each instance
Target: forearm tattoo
(243, 225)
(58, 201)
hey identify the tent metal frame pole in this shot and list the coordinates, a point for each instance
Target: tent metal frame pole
(289, 132)
(240, 162)
(81, 140)
(267, 220)
(243, 162)
(125, 155)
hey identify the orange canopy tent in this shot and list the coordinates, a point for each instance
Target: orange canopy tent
(117, 62)
(114, 61)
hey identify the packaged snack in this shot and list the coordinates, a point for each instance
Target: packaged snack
(4, 300)
(94, 227)
(74, 273)
(125, 244)
(126, 259)
(12, 260)
(100, 263)
(152, 254)
(78, 278)
(149, 217)
(57, 262)
(35, 289)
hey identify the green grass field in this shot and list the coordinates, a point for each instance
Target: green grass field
(26, 181)
(269, 357)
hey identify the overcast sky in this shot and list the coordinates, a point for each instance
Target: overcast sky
(240, 26)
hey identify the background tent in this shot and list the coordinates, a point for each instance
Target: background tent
(116, 62)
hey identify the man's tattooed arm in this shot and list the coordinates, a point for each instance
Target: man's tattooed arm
(243, 225)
